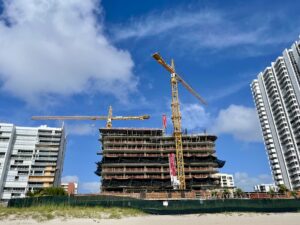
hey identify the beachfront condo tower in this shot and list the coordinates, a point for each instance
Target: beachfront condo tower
(276, 93)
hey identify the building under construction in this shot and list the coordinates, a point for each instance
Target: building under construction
(137, 160)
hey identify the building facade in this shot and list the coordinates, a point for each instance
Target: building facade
(276, 94)
(137, 160)
(226, 180)
(265, 188)
(30, 158)
(70, 187)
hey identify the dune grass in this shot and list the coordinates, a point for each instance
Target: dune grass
(42, 213)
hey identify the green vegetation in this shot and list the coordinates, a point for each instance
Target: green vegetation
(43, 213)
(50, 191)
(214, 194)
(271, 192)
(282, 189)
(294, 194)
(239, 193)
(225, 193)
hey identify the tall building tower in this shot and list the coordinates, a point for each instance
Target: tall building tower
(276, 93)
(30, 158)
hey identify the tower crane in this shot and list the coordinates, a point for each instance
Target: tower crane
(176, 115)
(109, 118)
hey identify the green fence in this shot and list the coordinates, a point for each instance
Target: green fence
(172, 207)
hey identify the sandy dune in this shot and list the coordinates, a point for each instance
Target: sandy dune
(205, 219)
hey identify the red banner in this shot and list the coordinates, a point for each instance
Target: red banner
(172, 164)
(164, 120)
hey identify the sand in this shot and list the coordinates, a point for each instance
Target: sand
(199, 219)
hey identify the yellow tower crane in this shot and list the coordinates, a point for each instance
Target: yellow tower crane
(109, 118)
(176, 116)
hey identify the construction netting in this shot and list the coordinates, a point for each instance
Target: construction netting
(166, 206)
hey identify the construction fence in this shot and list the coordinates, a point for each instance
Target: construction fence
(184, 206)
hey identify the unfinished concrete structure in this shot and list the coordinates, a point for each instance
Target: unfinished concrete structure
(136, 160)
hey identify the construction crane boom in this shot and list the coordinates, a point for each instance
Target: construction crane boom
(108, 118)
(176, 115)
(190, 89)
(69, 117)
(161, 61)
(143, 117)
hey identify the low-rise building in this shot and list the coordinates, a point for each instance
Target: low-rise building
(226, 180)
(265, 188)
(70, 187)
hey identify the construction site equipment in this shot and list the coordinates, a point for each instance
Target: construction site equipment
(176, 116)
(109, 118)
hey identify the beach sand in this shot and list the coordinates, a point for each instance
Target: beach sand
(199, 219)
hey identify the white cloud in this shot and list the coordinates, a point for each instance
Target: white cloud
(91, 187)
(227, 91)
(194, 116)
(85, 187)
(81, 129)
(240, 121)
(67, 179)
(209, 28)
(155, 24)
(244, 181)
(58, 48)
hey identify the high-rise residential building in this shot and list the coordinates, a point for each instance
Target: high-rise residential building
(30, 158)
(276, 93)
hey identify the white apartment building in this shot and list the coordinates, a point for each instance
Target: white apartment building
(276, 94)
(265, 188)
(30, 158)
(226, 180)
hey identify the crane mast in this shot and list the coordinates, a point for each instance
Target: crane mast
(109, 118)
(176, 120)
(176, 115)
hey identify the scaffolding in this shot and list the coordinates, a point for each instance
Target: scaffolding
(136, 160)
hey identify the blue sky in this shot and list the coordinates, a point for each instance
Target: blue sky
(78, 57)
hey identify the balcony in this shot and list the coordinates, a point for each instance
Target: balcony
(275, 167)
(47, 139)
(44, 179)
(45, 164)
(47, 159)
(294, 172)
(273, 156)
